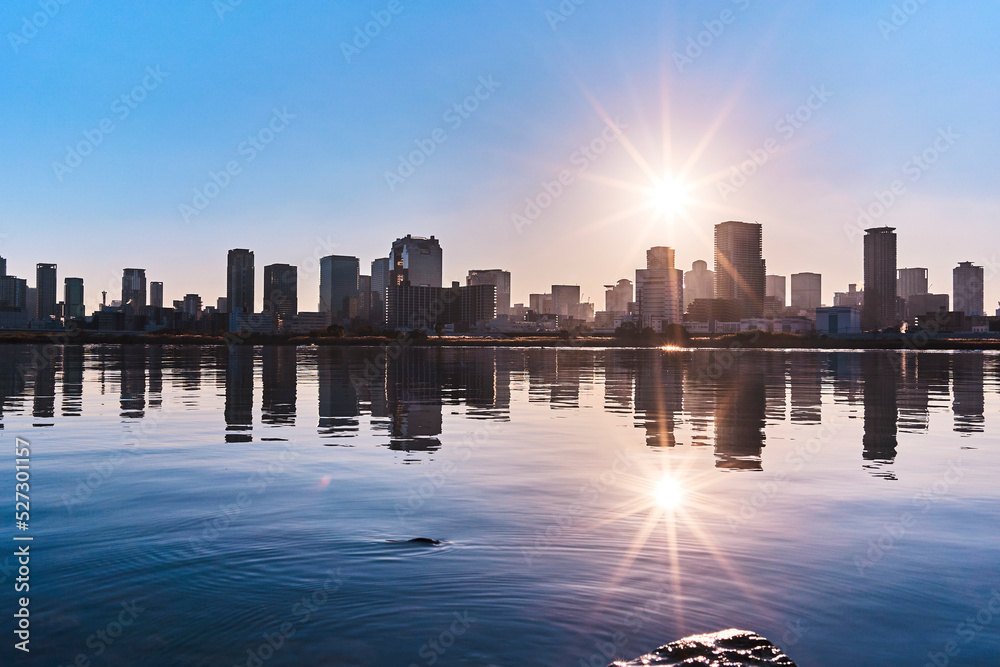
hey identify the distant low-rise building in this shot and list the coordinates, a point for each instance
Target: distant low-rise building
(838, 320)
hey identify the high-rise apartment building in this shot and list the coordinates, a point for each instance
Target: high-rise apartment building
(73, 299)
(416, 260)
(338, 286)
(281, 290)
(134, 291)
(156, 294)
(381, 268)
(880, 308)
(659, 290)
(968, 281)
(46, 299)
(498, 278)
(240, 281)
(699, 283)
(910, 282)
(740, 269)
(807, 291)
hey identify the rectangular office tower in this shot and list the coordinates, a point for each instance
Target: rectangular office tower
(880, 309)
(134, 290)
(338, 287)
(968, 289)
(699, 283)
(417, 261)
(807, 291)
(499, 279)
(156, 294)
(47, 296)
(240, 281)
(281, 290)
(910, 282)
(73, 298)
(659, 290)
(739, 265)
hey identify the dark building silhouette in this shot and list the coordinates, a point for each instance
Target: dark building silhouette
(415, 261)
(740, 270)
(156, 294)
(134, 291)
(880, 309)
(240, 281)
(338, 287)
(968, 281)
(73, 299)
(46, 305)
(281, 290)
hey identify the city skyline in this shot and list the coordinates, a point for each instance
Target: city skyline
(831, 141)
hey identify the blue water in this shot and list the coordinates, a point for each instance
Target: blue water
(844, 505)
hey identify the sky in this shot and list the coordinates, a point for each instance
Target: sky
(160, 135)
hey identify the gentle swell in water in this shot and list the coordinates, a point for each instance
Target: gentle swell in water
(731, 648)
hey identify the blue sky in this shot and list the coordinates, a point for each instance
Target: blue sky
(201, 78)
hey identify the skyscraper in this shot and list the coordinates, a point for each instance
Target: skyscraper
(380, 280)
(240, 281)
(807, 291)
(910, 282)
(156, 294)
(416, 260)
(73, 298)
(699, 283)
(134, 291)
(497, 277)
(47, 295)
(338, 286)
(775, 287)
(739, 265)
(880, 308)
(281, 290)
(968, 289)
(659, 290)
(3, 267)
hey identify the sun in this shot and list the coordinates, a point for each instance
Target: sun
(669, 197)
(668, 494)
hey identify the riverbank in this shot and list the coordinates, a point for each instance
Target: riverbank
(749, 340)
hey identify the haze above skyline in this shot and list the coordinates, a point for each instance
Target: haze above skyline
(218, 80)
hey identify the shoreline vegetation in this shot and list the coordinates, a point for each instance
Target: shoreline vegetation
(747, 339)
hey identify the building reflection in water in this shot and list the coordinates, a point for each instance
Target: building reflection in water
(659, 388)
(278, 376)
(132, 369)
(239, 393)
(413, 400)
(339, 408)
(740, 408)
(72, 381)
(880, 376)
(44, 390)
(806, 387)
(968, 380)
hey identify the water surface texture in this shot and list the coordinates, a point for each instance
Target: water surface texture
(257, 506)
